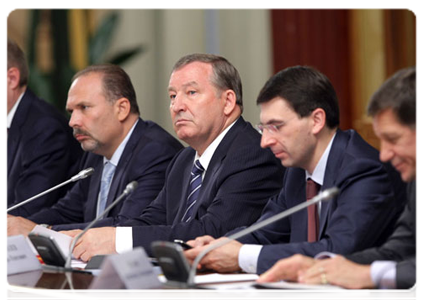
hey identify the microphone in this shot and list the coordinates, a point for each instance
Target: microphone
(130, 187)
(323, 196)
(81, 175)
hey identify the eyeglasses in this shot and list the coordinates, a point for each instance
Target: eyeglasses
(271, 128)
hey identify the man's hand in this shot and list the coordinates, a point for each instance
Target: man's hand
(72, 233)
(223, 259)
(19, 225)
(338, 271)
(95, 241)
(287, 269)
(201, 241)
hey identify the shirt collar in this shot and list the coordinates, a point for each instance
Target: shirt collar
(118, 153)
(12, 112)
(319, 172)
(209, 152)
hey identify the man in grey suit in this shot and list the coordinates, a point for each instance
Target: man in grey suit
(392, 265)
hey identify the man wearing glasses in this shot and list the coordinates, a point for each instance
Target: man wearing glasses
(299, 123)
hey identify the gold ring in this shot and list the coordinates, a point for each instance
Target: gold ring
(323, 278)
(321, 270)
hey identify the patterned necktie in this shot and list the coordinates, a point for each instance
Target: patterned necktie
(194, 189)
(106, 179)
(312, 189)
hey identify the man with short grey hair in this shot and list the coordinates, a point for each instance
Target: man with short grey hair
(221, 181)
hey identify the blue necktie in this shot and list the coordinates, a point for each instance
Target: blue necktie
(106, 179)
(194, 189)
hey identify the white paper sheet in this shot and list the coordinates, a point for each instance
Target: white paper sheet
(221, 278)
(62, 240)
(292, 290)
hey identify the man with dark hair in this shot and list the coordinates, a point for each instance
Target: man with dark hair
(222, 173)
(392, 265)
(299, 119)
(41, 151)
(119, 145)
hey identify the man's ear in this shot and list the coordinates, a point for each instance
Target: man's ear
(230, 101)
(122, 108)
(13, 78)
(318, 117)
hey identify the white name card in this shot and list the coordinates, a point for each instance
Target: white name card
(20, 257)
(130, 270)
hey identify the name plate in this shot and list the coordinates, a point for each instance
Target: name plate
(20, 257)
(130, 270)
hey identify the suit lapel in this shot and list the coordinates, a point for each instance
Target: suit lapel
(13, 139)
(14, 134)
(296, 196)
(116, 186)
(94, 189)
(335, 155)
(184, 187)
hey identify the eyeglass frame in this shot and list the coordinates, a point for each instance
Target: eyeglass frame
(271, 128)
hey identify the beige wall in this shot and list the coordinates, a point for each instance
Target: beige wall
(243, 37)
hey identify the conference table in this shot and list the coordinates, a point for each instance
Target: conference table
(46, 285)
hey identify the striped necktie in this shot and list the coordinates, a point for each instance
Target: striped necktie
(194, 189)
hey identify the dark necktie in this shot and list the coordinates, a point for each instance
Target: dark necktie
(194, 189)
(312, 189)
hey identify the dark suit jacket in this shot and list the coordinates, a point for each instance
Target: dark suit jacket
(361, 216)
(41, 153)
(240, 178)
(145, 159)
(400, 247)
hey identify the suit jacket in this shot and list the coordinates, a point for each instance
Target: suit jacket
(400, 247)
(41, 153)
(240, 178)
(363, 214)
(144, 159)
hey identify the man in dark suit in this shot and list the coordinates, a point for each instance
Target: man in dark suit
(299, 122)
(41, 151)
(392, 265)
(119, 145)
(236, 176)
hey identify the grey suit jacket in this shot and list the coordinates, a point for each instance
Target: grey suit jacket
(401, 245)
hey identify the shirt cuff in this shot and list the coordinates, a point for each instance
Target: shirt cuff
(384, 274)
(248, 258)
(123, 239)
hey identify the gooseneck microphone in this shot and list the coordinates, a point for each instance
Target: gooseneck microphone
(81, 175)
(130, 187)
(324, 195)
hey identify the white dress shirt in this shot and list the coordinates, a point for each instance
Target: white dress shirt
(12, 111)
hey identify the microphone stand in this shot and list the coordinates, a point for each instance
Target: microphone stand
(129, 189)
(81, 175)
(325, 195)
